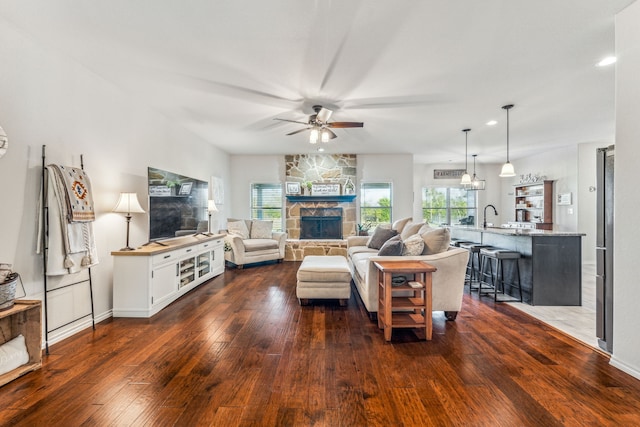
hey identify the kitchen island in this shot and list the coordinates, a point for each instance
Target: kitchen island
(550, 266)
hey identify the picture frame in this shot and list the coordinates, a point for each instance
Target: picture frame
(185, 189)
(292, 187)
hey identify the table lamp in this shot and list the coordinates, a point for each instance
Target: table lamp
(128, 204)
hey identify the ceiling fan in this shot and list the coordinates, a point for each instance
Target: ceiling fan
(320, 125)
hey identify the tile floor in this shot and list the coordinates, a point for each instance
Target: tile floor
(579, 322)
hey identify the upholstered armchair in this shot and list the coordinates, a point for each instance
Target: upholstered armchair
(252, 241)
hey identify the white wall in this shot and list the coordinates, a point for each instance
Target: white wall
(561, 166)
(626, 296)
(587, 199)
(394, 168)
(48, 99)
(247, 170)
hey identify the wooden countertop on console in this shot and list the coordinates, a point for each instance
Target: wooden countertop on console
(518, 231)
(172, 244)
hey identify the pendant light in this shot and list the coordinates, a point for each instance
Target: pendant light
(476, 184)
(466, 179)
(507, 168)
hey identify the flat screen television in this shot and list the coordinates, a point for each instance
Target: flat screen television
(177, 205)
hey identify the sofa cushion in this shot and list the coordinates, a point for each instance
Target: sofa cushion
(253, 245)
(392, 247)
(360, 262)
(399, 224)
(436, 241)
(410, 229)
(357, 249)
(324, 269)
(413, 246)
(261, 229)
(380, 235)
(239, 228)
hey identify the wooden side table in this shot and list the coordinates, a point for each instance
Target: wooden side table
(402, 311)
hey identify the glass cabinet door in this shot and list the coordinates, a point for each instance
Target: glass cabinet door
(204, 264)
(187, 271)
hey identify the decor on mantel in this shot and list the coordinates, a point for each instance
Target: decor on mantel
(476, 184)
(532, 178)
(507, 168)
(466, 179)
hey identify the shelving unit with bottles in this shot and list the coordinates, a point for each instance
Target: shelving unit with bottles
(534, 204)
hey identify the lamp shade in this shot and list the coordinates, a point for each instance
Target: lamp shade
(466, 179)
(507, 170)
(313, 136)
(211, 206)
(128, 203)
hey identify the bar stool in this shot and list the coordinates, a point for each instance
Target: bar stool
(500, 256)
(473, 266)
(458, 242)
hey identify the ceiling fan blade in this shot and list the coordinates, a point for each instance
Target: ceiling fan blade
(331, 134)
(297, 131)
(291, 121)
(323, 115)
(342, 125)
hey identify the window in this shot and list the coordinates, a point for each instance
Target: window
(375, 203)
(449, 205)
(266, 203)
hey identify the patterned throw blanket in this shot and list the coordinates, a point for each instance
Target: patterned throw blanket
(77, 191)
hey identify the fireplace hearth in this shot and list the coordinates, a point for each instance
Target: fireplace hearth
(320, 223)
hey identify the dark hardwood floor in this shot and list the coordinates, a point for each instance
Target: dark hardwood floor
(239, 350)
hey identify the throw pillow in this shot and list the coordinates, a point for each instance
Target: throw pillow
(436, 241)
(413, 245)
(392, 247)
(380, 235)
(238, 228)
(13, 354)
(261, 229)
(399, 224)
(410, 229)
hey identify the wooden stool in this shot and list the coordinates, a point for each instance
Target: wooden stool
(498, 280)
(473, 266)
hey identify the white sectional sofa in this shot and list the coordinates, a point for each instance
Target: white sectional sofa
(448, 280)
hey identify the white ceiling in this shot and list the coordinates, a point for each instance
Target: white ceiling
(415, 72)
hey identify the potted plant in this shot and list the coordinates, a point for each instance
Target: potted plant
(363, 229)
(308, 186)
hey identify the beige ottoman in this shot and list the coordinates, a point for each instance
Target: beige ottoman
(324, 277)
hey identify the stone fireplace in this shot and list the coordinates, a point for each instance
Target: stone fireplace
(320, 223)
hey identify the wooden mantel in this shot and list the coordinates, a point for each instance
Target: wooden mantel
(343, 198)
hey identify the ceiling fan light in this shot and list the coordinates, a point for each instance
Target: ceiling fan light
(507, 171)
(313, 136)
(325, 136)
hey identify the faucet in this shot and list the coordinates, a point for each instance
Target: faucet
(484, 215)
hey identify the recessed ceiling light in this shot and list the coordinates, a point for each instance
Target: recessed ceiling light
(607, 61)
(492, 123)
(321, 149)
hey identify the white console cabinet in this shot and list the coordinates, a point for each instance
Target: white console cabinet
(149, 278)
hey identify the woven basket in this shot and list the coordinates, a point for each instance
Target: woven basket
(8, 291)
